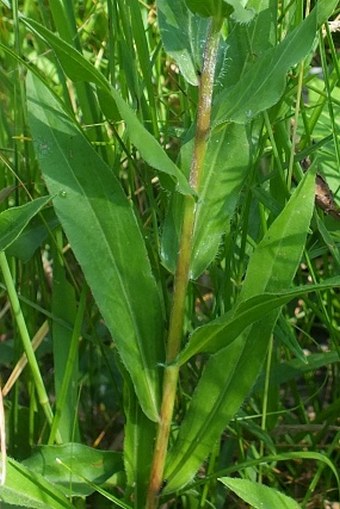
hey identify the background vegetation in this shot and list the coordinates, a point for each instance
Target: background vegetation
(78, 391)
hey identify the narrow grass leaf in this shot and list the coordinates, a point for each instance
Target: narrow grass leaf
(258, 495)
(230, 373)
(139, 439)
(80, 69)
(294, 368)
(96, 465)
(263, 83)
(14, 220)
(30, 489)
(222, 331)
(280, 456)
(65, 357)
(105, 237)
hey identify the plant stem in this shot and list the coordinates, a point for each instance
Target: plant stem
(183, 265)
(26, 341)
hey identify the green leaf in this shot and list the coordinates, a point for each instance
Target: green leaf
(294, 368)
(221, 8)
(258, 495)
(65, 354)
(240, 14)
(33, 235)
(273, 264)
(183, 35)
(13, 221)
(80, 69)
(83, 462)
(139, 440)
(230, 373)
(246, 43)
(225, 168)
(30, 489)
(101, 226)
(263, 83)
(208, 8)
(222, 331)
(326, 9)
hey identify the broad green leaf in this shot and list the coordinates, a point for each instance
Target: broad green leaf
(222, 331)
(263, 83)
(258, 495)
(33, 235)
(82, 462)
(13, 221)
(273, 264)
(80, 69)
(230, 374)
(247, 42)
(102, 228)
(26, 488)
(183, 35)
(224, 172)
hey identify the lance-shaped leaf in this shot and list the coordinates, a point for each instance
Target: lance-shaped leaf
(104, 234)
(230, 373)
(81, 461)
(263, 83)
(258, 495)
(14, 220)
(80, 69)
(24, 488)
(246, 43)
(225, 168)
(183, 35)
(225, 329)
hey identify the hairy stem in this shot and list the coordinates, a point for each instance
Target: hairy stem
(183, 265)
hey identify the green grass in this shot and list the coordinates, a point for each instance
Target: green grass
(128, 317)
